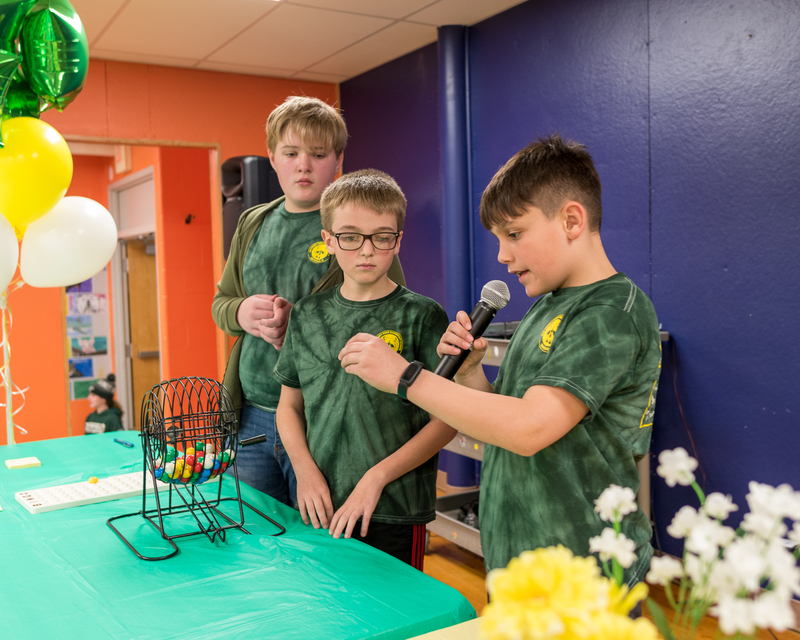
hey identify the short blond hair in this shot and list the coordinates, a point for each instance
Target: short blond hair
(368, 188)
(315, 122)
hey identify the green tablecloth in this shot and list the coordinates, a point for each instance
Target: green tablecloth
(67, 575)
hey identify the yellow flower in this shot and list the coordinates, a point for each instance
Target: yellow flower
(622, 600)
(549, 594)
(612, 626)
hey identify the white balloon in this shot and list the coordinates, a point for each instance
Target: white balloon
(69, 244)
(9, 252)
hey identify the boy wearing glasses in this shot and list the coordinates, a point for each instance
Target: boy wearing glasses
(359, 454)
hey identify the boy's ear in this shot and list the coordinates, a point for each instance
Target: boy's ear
(397, 246)
(330, 242)
(574, 217)
(339, 162)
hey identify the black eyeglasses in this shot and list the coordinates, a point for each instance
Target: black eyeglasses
(354, 241)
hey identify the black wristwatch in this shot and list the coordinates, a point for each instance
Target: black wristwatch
(407, 379)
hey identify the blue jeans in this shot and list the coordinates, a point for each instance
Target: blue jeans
(265, 466)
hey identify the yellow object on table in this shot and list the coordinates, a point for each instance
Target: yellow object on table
(23, 463)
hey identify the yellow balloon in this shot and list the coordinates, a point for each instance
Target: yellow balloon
(35, 170)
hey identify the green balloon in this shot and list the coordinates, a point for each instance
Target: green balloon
(9, 63)
(55, 52)
(12, 13)
(21, 101)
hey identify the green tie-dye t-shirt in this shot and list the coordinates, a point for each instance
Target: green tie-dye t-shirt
(601, 343)
(286, 256)
(350, 426)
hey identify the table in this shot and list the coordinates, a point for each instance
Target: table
(67, 575)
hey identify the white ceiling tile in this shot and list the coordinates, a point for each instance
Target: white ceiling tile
(142, 58)
(180, 28)
(253, 70)
(466, 12)
(383, 8)
(95, 15)
(397, 40)
(318, 77)
(295, 37)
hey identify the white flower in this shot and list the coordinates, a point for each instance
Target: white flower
(725, 578)
(745, 557)
(699, 571)
(772, 610)
(763, 525)
(794, 534)
(782, 568)
(735, 615)
(609, 545)
(683, 522)
(778, 503)
(663, 570)
(719, 506)
(707, 537)
(676, 467)
(615, 503)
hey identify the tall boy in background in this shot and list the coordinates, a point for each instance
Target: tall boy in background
(276, 258)
(360, 454)
(571, 411)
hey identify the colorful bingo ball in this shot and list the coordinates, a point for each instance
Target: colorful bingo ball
(159, 472)
(189, 451)
(189, 460)
(171, 454)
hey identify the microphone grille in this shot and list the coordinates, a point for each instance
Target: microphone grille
(495, 293)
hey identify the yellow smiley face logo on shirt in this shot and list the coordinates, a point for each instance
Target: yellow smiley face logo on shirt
(318, 252)
(546, 339)
(393, 339)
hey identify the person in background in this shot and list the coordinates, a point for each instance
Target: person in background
(277, 257)
(107, 414)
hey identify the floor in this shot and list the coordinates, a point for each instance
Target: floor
(464, 571)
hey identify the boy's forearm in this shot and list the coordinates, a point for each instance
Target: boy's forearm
(521, 425)
(423, 446)
(292, 429)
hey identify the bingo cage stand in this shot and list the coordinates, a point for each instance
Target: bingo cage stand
(188, 427)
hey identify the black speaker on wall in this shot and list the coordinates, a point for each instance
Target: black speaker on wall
(246, 182)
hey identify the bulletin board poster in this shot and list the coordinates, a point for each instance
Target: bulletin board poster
(88, 333)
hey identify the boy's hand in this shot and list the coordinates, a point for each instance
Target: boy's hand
(458, 338)
(273, 328)
(253, 310)
(313, 498)
(374, 361)
(360, 504)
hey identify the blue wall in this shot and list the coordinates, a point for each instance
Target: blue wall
(392, 115)
(690, 112)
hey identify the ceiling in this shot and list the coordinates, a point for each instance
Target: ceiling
(318, 40)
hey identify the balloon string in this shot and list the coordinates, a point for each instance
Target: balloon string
(11, 388)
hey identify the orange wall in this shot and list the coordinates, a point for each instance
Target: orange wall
(147, 102)
(185, 265)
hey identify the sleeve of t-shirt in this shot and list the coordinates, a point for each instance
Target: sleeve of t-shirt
(285, 370)
(591, 354)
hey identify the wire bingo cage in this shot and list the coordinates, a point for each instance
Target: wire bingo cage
(188, 430)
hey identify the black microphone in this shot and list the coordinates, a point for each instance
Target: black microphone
(494, 296)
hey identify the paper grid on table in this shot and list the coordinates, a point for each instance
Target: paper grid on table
(64, 496)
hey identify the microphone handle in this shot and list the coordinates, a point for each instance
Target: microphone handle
(481, 317)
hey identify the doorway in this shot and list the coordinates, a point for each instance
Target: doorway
(135, 286)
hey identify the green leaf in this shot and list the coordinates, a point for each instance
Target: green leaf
(660, 620)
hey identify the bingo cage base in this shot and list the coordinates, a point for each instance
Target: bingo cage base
(188, 430)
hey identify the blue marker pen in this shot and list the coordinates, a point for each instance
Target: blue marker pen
(124, 443)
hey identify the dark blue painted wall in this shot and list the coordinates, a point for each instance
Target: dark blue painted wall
(725, 147)
(392, 115)
(690, 112)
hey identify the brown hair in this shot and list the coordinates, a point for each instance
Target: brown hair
(544, 174)
(368, 188)
(315, 122)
